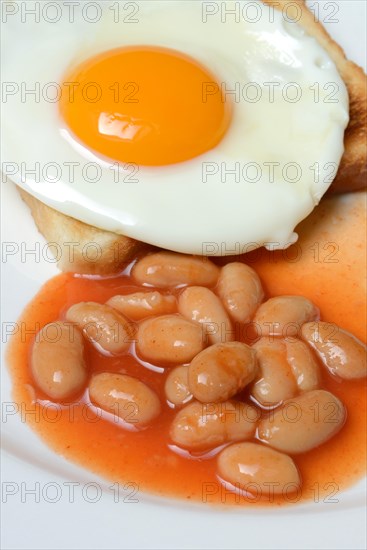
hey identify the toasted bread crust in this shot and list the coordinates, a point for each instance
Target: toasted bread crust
(81, 248)
(352, 173)
(114, 251)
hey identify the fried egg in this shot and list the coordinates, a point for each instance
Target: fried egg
(182, 128)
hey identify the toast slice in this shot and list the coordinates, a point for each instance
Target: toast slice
(113, 252)
(352, 173)
(81, 248)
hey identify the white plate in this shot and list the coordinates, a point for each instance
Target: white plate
(49, 503)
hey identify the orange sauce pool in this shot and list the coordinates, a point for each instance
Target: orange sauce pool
(144, 458)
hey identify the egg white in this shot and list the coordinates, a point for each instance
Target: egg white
(184, 207)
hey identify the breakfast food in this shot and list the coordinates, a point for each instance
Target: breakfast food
(62, 374)
(305, 430)
(262, 209)
(164, 269)
(221, 371)
(240, 290)
(251, 401)
(352, 171)
(113, 251)
(303, 365)
(183, 371)
(349, 363)
(126, 397)
(176, 386)
(237, 462)
(275, 382)
(285, 313)
(139, 304)
(102, 325)
(204, 426)
(200, 304)
(169, 339)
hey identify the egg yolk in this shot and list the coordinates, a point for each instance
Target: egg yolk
(144, 105)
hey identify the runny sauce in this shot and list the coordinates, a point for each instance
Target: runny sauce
(147, 457)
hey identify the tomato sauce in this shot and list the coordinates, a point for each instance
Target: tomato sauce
(146, 458)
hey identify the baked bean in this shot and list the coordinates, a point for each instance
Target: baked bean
(221, 371)
(275, 382)
(177, 386)
(168, 269)
(303, 364)
(341, 352)
(57, 361)
(124, 396)
(257, 468)
(240, 290)
(201, 305)
(143, 304)
(303, 423)
(169, 339)
(204, 426)
(102, 325)
(284, 315)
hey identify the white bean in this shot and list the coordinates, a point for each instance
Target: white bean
(275, 382)
(169, 339)
(303, 364)
(341, 352)
(57, 360)
(201, 305)
(303, 423)
(240, 290)
(203, 426)
(168, 269)
(177, 386)
(139, 305)
(258, 469)
(221, 371)
(125, 396)
(102, 325)
(284, 316)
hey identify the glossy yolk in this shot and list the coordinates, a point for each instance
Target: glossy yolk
(144, 105)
